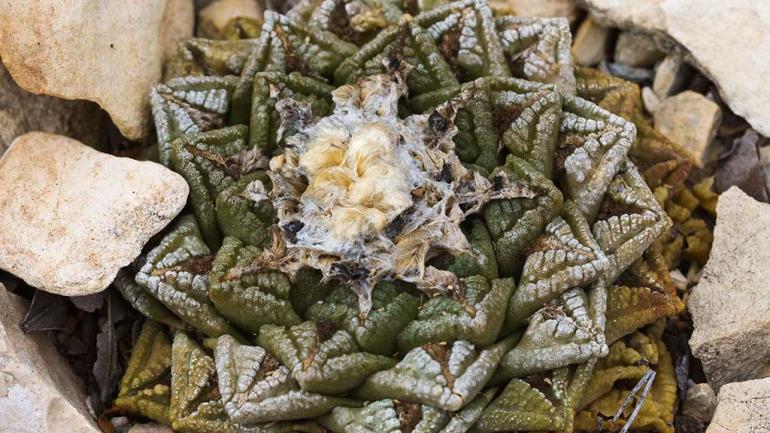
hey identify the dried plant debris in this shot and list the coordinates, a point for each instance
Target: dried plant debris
(408, 217)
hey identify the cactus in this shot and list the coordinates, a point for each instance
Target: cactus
(406, 217)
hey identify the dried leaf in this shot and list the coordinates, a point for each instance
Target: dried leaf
(106, 369)
(48, 312)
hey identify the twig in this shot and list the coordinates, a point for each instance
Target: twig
(646, 381)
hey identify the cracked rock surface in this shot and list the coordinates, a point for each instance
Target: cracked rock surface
(731, 327)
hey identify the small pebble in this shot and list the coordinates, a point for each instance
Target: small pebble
(671, 76)
(589, 46)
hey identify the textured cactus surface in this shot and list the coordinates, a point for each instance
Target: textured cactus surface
(407, 216)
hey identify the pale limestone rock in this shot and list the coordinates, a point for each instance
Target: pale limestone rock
(727, 41)
(150, 428)
(22, 112)
(636, 50)
(730, 317)
(646, 15)
(538, 8)
(691, 120)
(214, 17)
(590, 44)
(650, 99)
(671, 76)
(71, 217)
(701, 402)
(38, 391)
(743, 407)
(106, 51)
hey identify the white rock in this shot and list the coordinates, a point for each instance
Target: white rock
(727, 41)
(214, 17)
(636, 50)
(742, 407)
(701, 402)
(691, 120)
(650, 99)
(671, 76)
(539, 8)
(106, 51)
(679, 280)
(590, 44)
(150, 428)
(71, 217)
(646, 15)
(729, 312)
(38, 391)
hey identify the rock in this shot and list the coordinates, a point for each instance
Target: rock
(639, 76)
(150, 428)
(636, 50)
(38, 391)
(590, 44)
(679, 280)
(764, 163)
(643, 15)
(650, 99)
(731, 327)
(213, 18)
(121, 424)
(178, 24)
(671, 76)
(21, 112)
(539, 8)
(701, 402)
(727, 41)
(106, 51)
(742, 168)
(742, 407)
(71, 217)
(691, 120)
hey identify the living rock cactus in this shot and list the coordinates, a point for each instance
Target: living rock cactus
(404, 217)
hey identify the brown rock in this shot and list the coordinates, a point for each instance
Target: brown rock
(590, 44)
(671, 76)
(636, 50)
(742, 407)
(731, 320)
(691, 120)
(701, 402)
(71, 217)
(38, 391)
(106, 51)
